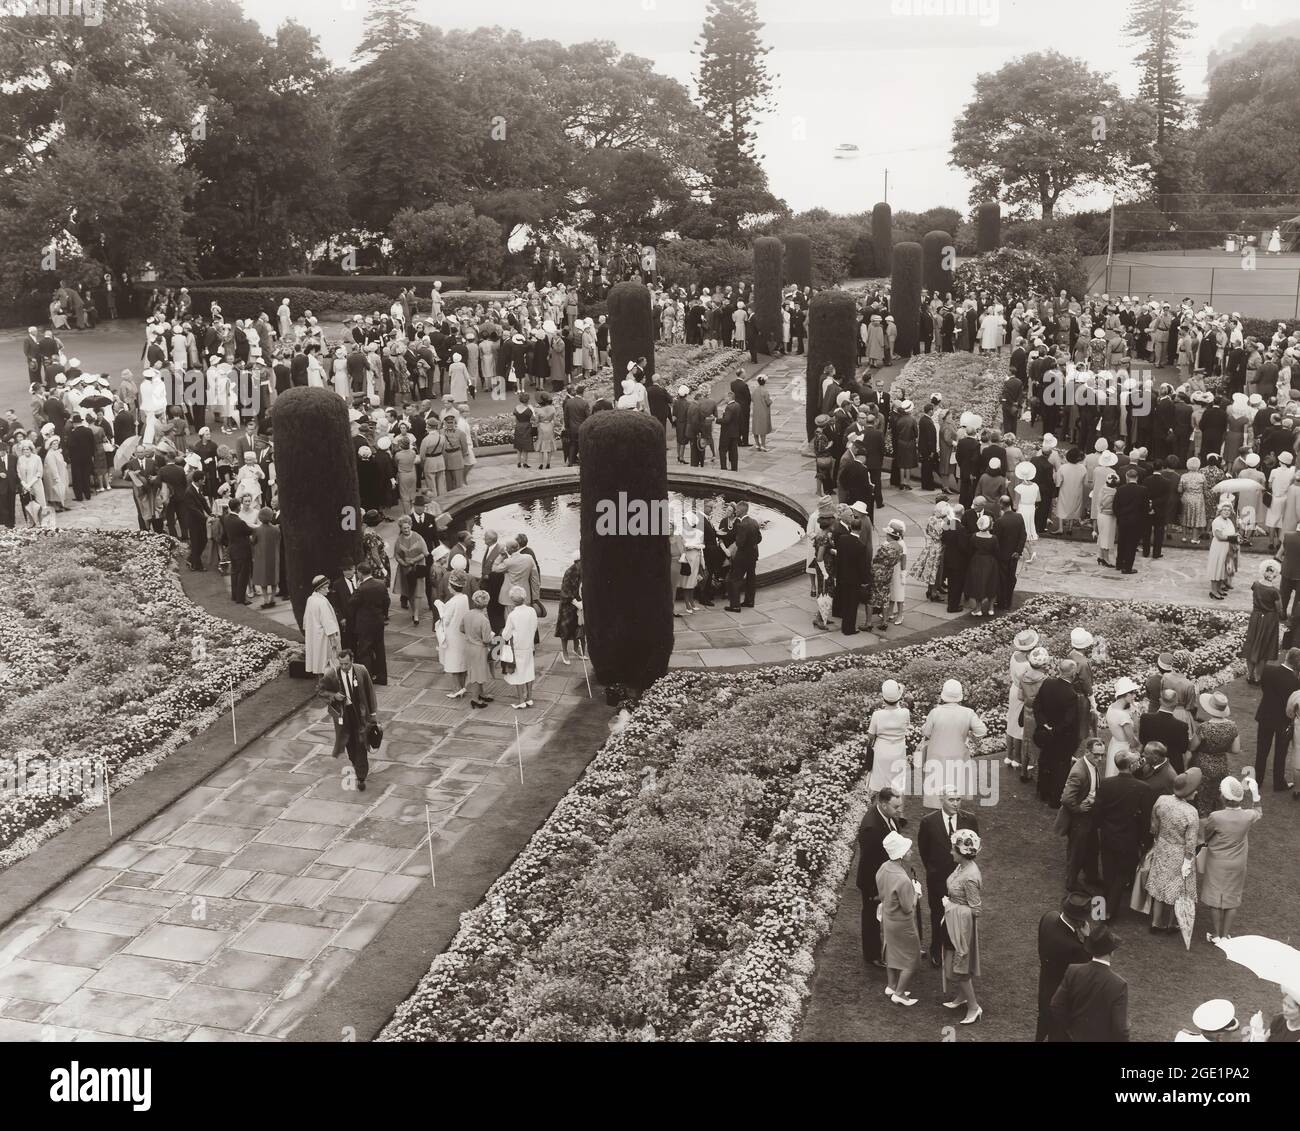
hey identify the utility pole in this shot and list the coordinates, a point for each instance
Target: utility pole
(886, 196)
(1110, 243)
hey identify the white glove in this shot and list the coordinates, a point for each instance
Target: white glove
(916, 884)
(946, 903)
(1187, 868)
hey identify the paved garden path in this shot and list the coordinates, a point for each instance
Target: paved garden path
(234, 912)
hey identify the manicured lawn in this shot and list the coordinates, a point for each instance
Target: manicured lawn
(1022, 863)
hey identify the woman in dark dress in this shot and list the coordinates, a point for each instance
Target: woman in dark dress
(523, 431)
(1265, 619)
(568, 621)
(982, 573)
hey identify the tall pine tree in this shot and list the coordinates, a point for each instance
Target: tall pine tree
(734, 88)
(1160, 27)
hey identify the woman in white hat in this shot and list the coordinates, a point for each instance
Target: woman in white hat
(1121, 722)
(320, 627)
(1279, 484)
(1024, 642)
(949, 738)
(899, 893)
(1221, 563)
(1225, 833)
(888, 575)
(1104, 500)
(1025, 501)
(887, 733)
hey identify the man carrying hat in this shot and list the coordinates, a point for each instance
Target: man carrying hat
(1091, 1003)
(934, 837)
(1061, 944)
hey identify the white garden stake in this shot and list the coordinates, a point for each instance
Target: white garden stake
(428, 821)
(108, 800)
(519, 749)
(583, 657)
(234, 733)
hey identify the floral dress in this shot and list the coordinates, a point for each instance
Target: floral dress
(1176, 826)
(928, 561)
(961, 920)
(1212, 475)
(1211, 757)
(890, 553)
(567, 623)
(1191, 488)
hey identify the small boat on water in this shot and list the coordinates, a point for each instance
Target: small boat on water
(845, 151)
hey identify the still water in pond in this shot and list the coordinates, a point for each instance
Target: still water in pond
(553, 525)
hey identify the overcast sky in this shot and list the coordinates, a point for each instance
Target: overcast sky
(866, 72)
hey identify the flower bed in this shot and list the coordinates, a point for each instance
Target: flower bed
(691, 366)
(105, 664)
(679, 890)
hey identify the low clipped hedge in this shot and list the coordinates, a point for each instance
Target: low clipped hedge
(390, 285)
(249, 302)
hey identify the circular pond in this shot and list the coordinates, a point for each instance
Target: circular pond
(553, 523)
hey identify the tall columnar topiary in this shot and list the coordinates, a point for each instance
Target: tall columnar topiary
(905, 297)
(988, 226)
(882, 237)
(627, 577)
(631, 328)
(316, 473)
(769, 256)
(937, 257)
(798, 260)
(832, 340)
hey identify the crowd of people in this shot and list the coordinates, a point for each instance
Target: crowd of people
(1153, 826)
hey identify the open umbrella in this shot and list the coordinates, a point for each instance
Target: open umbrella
(1232, 486)
(96, 400)
(1265, 958)
(126, 449)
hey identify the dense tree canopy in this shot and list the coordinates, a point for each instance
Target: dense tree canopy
(1044, 126)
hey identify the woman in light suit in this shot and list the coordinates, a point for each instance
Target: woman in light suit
(898, 896)
(520, 632)
(451, 640)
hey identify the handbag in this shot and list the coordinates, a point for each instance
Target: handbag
(1202, 855)
(540, 610)
(507, 654)
(374, 734)
(684, 567)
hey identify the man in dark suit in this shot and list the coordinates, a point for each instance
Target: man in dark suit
(1091, 1003)
(927, 447)
(340, 598)
(881, 819)
(1009, 532)
(576, 410)
(194, 511)
(852, 572)
(1159, 491)
(1276, 683)
(240, 548)
(367, 615)
(1156, 770)
(744, 397)
(423, 522)
(1122, 815)
(744, 562)
(1164, 727)
(1074, 820)
(660, 402)
(853, 481)
(956, 543)
(872, 448)
(1061, 936)
(350, 693)
(935, 845)
(729, 435)
(1132, 508)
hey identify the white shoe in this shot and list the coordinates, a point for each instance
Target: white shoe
(907, 999)
(456, 694)
(565, 659)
